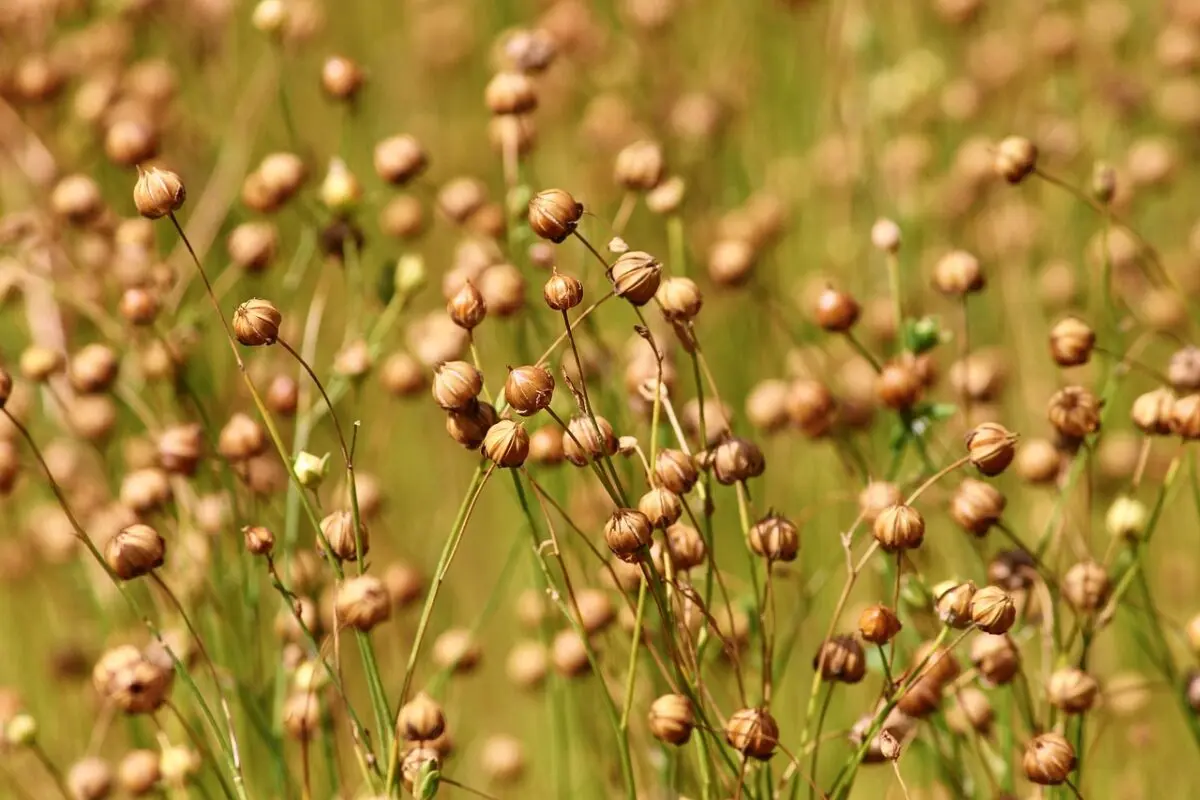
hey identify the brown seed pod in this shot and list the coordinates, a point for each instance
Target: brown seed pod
(256, 322)
(675, 470)
(128, 142)
(93, 369)
(135, 551)
(89, 778)
(1185, 417)
(568, 653)
(775, 538)
(283, 395)
(661, 506)
(899, 384)
(529, 389)
(993, 610)
(402, 375)
(180, 448)
(972, 711)
(459, 198)
(753, 732)
(302, 715)
(469, 426)
(138, 772)
(731, 261)
(252, 245)
(685, 547)
(506, 444)
(672, 719)
(510, 93)
(420, 719)
(138, 306)
(338, 530)
(836, 311)
(77, 199)
(341, 78)
(953, 603)
(402, 217)
(1152, 412)
(546, 446)
(991, 447)
(281, 175)
(735, 459)
(1086, 586)
(362, 602)
(958, 273)
(158, 192)
(679, 298)
(130, 681)
(877, 496)
(584, 442)
(940, 663)
(1072, 690)
(1183, 370)
(1074, 412)
(241, 438)
(467, 307)
(639, 166)
(596, 610)
(457, 650)
(899, 527)
(636, 277)
(1038, 461)
(766, 405)
(1016, 158)
(526, 664)
(1071, 342)
(1013, 570)
(1049, 759)
(878, 624)
(811, 407)
(259, 541)
(976, 506)
(456, 384)
(841, 659)
(626, 533)
(554, 214)
(562, 292)
(399, 159)
(997, 660)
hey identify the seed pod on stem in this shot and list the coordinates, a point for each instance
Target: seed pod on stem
(672, 719)
(976, 506)
(562, 292)
(134, 552)
(420, 719)
(1072, 690)
(661, 506)
(993, 610)
(1071, 342)
(256, 322)
(554, 214)
(1086, 586)
(841, 659)
(1016, 158)
(991, 447)
(636, 277)
(338, 529)
(1151, 412)
(626, 533)
(1049, 759)
(899, 527)
(953, 603)
(529, 389)
(836, 311)
(506, 444)
(878, 624)
(158, 192)
(775, 538)
(1074, 412)
(456, 384)
(467, 307)
(753, 732)
(363, 602)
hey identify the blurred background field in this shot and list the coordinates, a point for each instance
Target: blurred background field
(794, 127)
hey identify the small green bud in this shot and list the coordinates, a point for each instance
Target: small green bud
(21, 730)
(410, 273)
(310, 470)
(1126, 518)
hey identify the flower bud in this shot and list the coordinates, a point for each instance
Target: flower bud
(456, 384)
(363, 602)
(878, 624)
(506, 444)
(991, 447)
(1071, 342)
(899, 527)
(672, 719)
(135, 551)
(1016, 158)
(338, 530)
(256, 322)
(753, 732)
(340, 191)
(992, 610)
(410, 274)
(626, 533)
(529, 389)
(21, 730)
(1049, 759)
(158, 192)
(310, 470)
(636, 277)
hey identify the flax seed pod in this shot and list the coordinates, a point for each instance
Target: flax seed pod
(958, 274)
(626, 533)
(898, 385)
(672, 719)
(1016, 158)
(90, 778)
(1048, 760)
(753, 732)
(554, 214)
(1151, 412)
(456, 384)
(1086, 586)
(562, 292)
(158, 192)
(342, 78)
(457, 650)
(339, 533)
(399, 159)
(1185, 417)
(363, 602)
(469, 426)
(953, 603)
(256, 322)
(506, 444)
(811, 407)
(420, 719)
(841, 659)
(252, 245)
(878, 624)
(679, 298)
(135, 551)
(1071, 342)
(735, 459)
(991, 447)
(685, 547)
(976, 506)
(529, 389)
(584, 442)
(993, 610)
(997, 660)
(510, 93)
(661, 506)
(775, 538)
(639, 166)
(972, 711)
(1072, 690)
(836, 311)
(138, 772)
(568, 653)
(899, 527)
(1038, 461)
(1074, 412)
(731, 262)
(877, 496)
(675, 470)
(636, 277)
